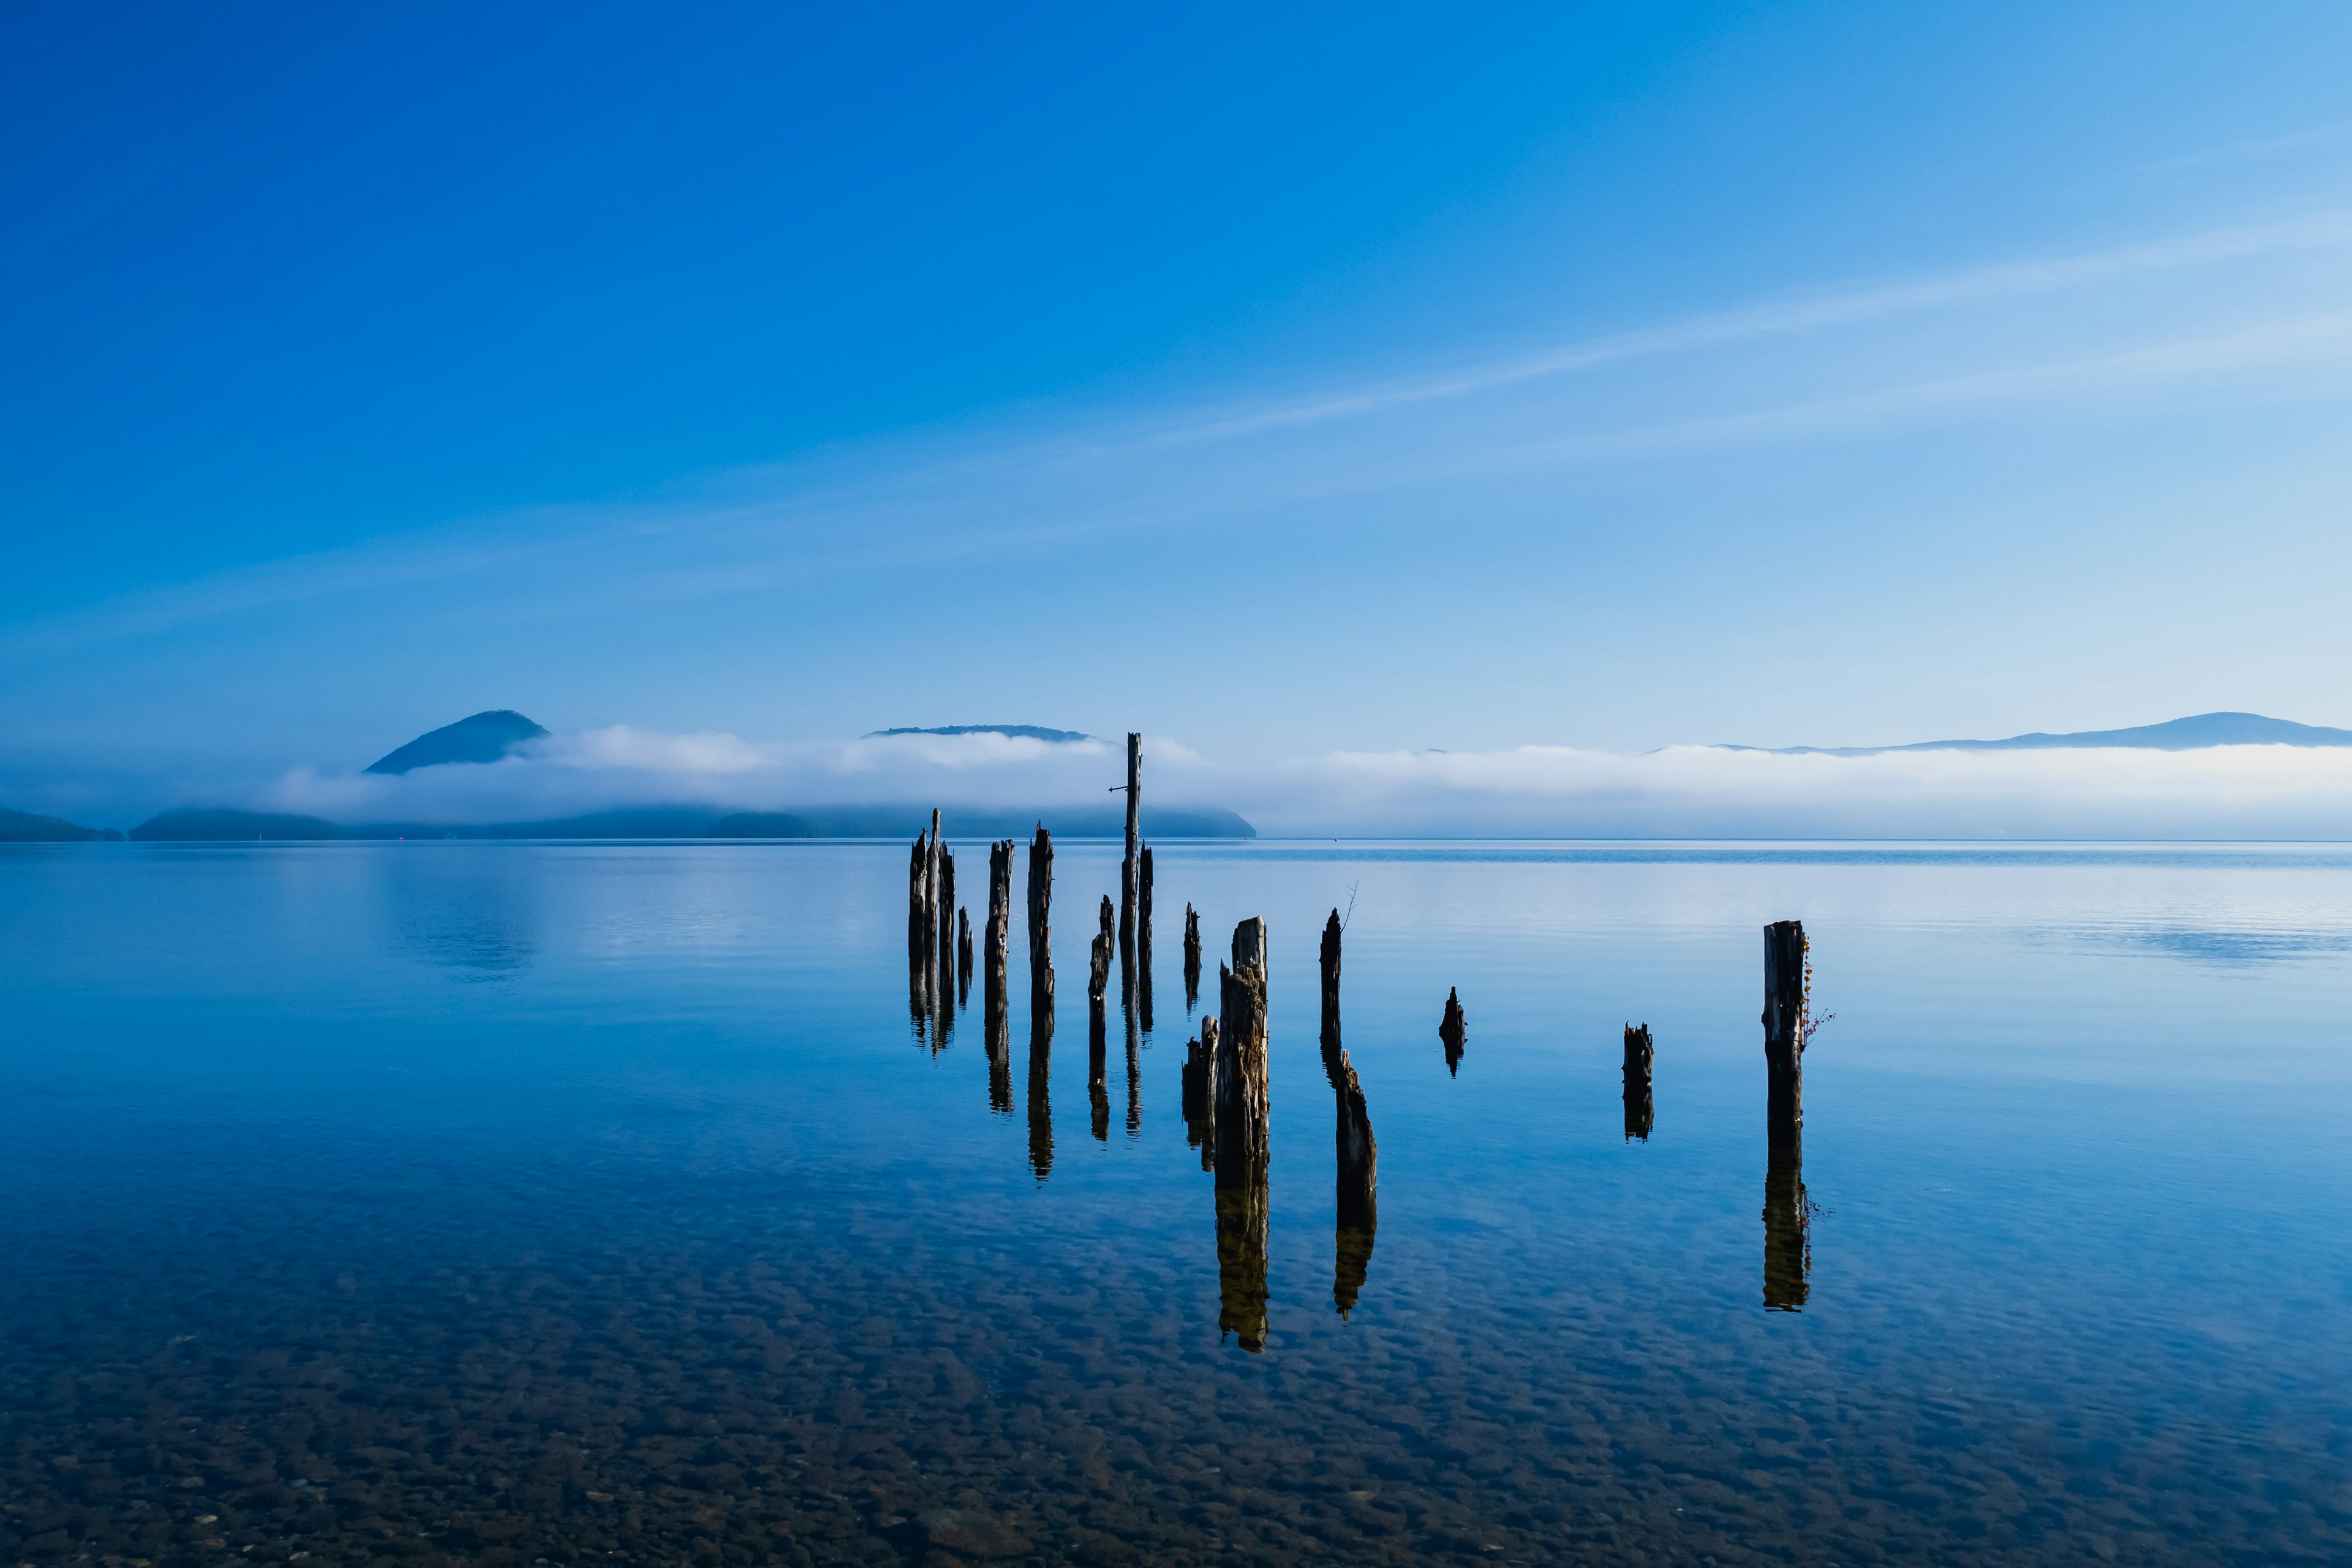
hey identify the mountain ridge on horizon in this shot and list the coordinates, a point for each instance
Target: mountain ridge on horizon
(2195, 733)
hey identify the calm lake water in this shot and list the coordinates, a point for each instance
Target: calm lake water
(577, 1204)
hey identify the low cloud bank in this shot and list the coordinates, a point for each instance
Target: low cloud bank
(1699, 791)
(2222, 792)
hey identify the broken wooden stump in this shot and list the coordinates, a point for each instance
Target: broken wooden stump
(1098, 991)
(1041, 935)
(1454, 1030)
(1192, 958)
(1358, 1152)
(1785, 976)
(1640, 1112)
(995, 1004)
(1200, 1096)
(1242, 1129)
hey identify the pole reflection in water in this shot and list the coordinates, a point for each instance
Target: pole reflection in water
(1242, 1140)
(1358, 1153)
(1788, 1231)
(1453, 1031)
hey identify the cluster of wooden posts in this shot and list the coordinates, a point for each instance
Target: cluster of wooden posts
(1225, 1070)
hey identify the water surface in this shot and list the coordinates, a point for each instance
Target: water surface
(601, 1203)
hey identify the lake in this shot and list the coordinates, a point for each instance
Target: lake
(605, 1203)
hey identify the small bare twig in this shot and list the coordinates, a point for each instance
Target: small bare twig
(1352, 904)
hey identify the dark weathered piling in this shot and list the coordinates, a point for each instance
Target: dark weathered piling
(1329, 960)
(1201, 1093)
(1242, 1142)
(1041, 934)
(1098, 991)
(1641, 1113)
(1787, 1232)
(1454, 1030)
(963, 957)
(945, 915)
(1128, 867)
(1358, 1152)
(1784, 1033)
(918, 900)
(1242, 1129)
(1192, 958)
(996, 1003)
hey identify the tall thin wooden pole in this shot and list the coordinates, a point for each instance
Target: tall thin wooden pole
(1784, 1033)
(995, 1006)
(1098, 989)
(1641, 1111)
(1127, 867)
(1041, 934)
(1358, 1152)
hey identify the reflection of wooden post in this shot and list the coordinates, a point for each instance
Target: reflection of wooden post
(1453, 1029)
(1784, 1033)
(963, 956)
(1787, 1232)
(1240, 1262)
(1097, 988)
(1242, 1113)
(1640, 1112)
(1041, 934)
(1201, 1093)
(1192, 958)
(1358, 1153)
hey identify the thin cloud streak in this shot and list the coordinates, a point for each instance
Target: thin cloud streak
(930, 498)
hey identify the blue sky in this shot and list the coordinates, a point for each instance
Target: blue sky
(1363, 378)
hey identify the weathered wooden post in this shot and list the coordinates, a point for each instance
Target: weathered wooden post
(919, 943)
(1454, 1030)
(1242, 1129)
(996, 1003)
(1127, 867)
(1640, 1112)
(944, 917)
(1200, 1098)
(1784, 1033)
(1242, 1141)
(1358, 1152)
(1192, 958)
(1788, 1214)
(1041, 934)
(1097, 990)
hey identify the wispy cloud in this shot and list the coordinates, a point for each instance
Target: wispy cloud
(936, 497)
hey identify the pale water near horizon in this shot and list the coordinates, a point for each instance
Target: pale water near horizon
(597, 1203)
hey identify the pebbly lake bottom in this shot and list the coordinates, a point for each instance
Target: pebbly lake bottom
(600, 1203)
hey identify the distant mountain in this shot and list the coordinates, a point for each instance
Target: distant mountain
(706, 822)
(220, 826)
(1020, 732)
(24, 827)
(2187, 734)
(483, 738)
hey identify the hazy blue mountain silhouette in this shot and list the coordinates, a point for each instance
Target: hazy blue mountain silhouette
(480, 738)
(25, 827)
(2189, 735)
(218, 825)
(1026, 731)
